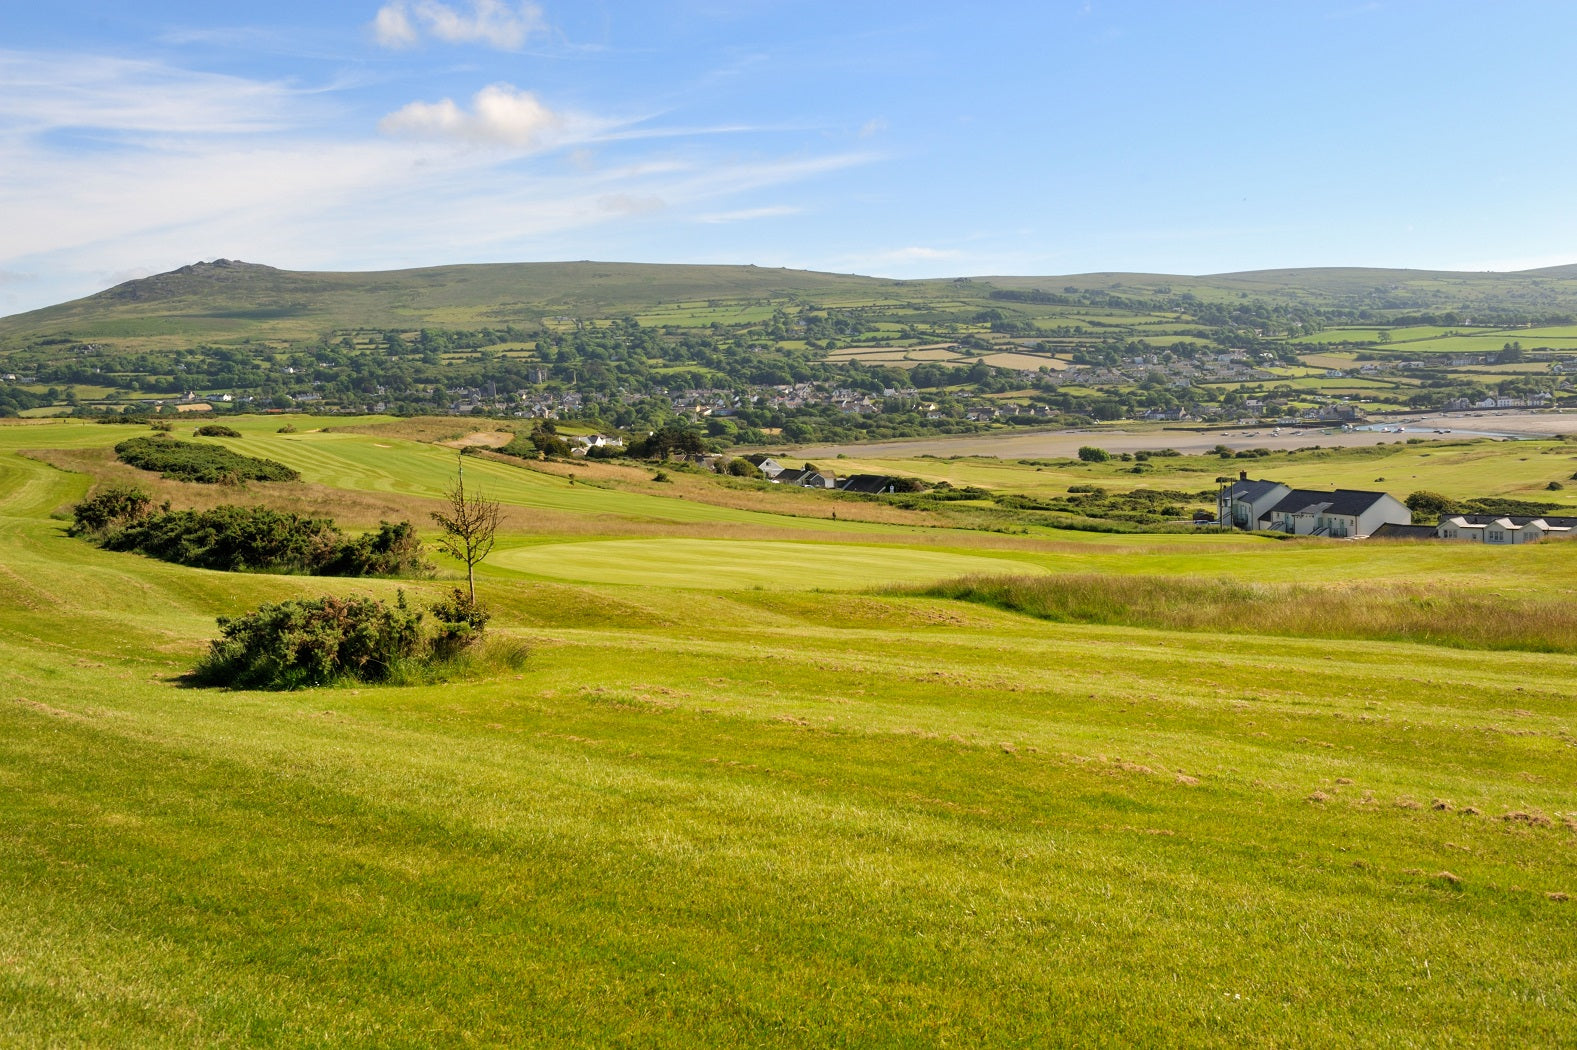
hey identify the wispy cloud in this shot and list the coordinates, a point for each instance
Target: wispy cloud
(191, 165)
(58, 91)
(403, 23)
(746, 214)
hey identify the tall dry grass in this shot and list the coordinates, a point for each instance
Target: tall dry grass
(1381, 612)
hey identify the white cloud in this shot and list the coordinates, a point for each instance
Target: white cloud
(499, 115)
(187, 165)
(392, 27)
(746, 214)
(402, 23)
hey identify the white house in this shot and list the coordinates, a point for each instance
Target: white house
(1345, 513)
(1504, 529)
(1244, 502)
(805, 479)
(767, 465)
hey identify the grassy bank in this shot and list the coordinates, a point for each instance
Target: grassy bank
(1418, 613)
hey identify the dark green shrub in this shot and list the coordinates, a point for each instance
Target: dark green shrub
(216, 430)
(1091, 454)
(740, 467)
(256, 539)
(232, 539)
(206, 464)
(1431, 504)
(311, 641)
(460, 623)
(394, 550)
(115, 507)
(1554, 486)
(543, 441)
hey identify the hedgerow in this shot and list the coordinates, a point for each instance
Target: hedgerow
(207, 464)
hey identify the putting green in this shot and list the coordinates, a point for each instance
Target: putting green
(731, 564)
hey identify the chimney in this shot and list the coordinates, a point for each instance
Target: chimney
(1242, 475)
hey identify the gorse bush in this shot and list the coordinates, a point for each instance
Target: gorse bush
(321, 641)
(114, 508)
(247, 539)
(230, 539)
(461, 622)
(312, 641)
(207, 464)
(394, 550)
(216, 430)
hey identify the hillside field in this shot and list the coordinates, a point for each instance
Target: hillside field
(756, 785)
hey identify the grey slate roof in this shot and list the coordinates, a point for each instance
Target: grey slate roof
(1250, 491)
(1345, 502)
(803, 478)
(1516, 519)
(869, 483)
(1393, 531)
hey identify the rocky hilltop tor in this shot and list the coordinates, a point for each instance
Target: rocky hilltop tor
(185, 280)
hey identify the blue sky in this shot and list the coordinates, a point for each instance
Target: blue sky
(918, 139)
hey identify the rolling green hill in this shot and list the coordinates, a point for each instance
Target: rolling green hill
(224, 300)
(228, 300)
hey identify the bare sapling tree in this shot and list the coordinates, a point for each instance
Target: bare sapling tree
(468, 527)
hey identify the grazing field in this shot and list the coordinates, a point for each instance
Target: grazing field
(769, 779)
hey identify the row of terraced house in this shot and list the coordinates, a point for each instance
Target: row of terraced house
(1270, 506)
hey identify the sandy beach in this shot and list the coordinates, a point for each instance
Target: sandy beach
(1047, 444)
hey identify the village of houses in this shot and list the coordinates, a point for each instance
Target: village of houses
(1246, 505)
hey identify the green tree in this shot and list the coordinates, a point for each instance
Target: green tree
(1431, 503)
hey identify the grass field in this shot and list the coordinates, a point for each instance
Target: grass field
(1460, 469)
(743, 795)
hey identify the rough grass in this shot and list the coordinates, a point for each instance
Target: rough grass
(1418, 613)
